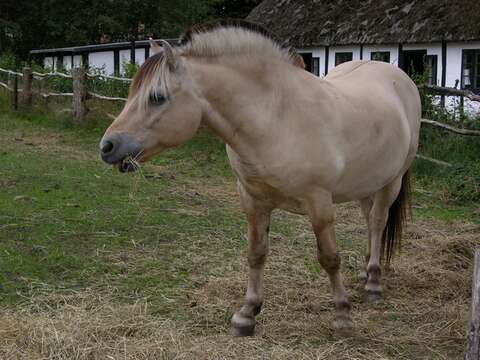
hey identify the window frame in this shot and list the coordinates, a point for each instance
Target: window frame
(432, 80)
(381, 53)
(338, 54)
(475, 76)
(315, 67)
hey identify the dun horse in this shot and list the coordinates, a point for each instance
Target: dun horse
(294, 141)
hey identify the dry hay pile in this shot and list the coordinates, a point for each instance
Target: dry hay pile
(423, 316)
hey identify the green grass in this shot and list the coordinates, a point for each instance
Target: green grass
(65, 216)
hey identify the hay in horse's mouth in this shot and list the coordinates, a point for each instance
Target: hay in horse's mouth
(128, 164)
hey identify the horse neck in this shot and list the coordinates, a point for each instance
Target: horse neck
(239, 99)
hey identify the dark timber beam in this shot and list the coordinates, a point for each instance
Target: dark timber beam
(400, 56)
(326, 59)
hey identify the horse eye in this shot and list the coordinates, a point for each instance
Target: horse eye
(157, 99)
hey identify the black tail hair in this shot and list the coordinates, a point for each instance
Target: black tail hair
(397, 216)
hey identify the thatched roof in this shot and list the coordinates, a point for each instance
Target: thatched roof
(309, 23)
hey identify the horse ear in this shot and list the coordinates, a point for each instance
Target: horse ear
(154, 47)
(172, 58)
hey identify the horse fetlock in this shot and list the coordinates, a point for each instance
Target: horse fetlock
(362, 275)
(374, 271)
(373, 290)
(372, 296)
(242, 325)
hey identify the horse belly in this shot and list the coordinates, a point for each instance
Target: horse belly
(371, 169)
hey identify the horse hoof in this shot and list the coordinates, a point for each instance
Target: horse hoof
(242, 331)
(372, 297)
(343, 328)
(242, 326)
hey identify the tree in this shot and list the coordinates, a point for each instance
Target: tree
(27, 24)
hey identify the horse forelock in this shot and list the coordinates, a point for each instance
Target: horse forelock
(152, 78)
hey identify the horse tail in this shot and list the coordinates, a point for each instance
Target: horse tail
(397, 216)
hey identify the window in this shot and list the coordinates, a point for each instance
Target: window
(431, 62)
(341, 57)
(471, 70)
(316, 66)
(380, 56)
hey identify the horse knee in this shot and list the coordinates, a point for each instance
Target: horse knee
(331, 263)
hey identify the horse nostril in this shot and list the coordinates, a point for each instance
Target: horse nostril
(107, 147)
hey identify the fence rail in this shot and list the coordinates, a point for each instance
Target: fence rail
(449, 91)
(10, 72)
(50, 74)
(450, 128)
(110, 77)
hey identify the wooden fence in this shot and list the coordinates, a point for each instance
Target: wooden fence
(79, 96)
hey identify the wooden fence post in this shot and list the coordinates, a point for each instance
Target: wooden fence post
(27, 86)
(473, 348)
(79, 94)
(13, 83)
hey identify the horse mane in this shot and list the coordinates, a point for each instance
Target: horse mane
(224, 37)
(234, 37)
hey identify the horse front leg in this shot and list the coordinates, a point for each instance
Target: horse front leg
(322, 216)
(258, 218)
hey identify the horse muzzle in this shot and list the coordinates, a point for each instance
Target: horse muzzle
(122, 150)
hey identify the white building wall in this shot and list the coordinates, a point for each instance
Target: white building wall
(67, 62)
(124, 56)
(139, 56)
(48, 62)
(77, 60)
(103, 59)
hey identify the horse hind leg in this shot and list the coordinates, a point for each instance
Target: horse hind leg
(366, 206)
(377, 223)
(322, 215)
